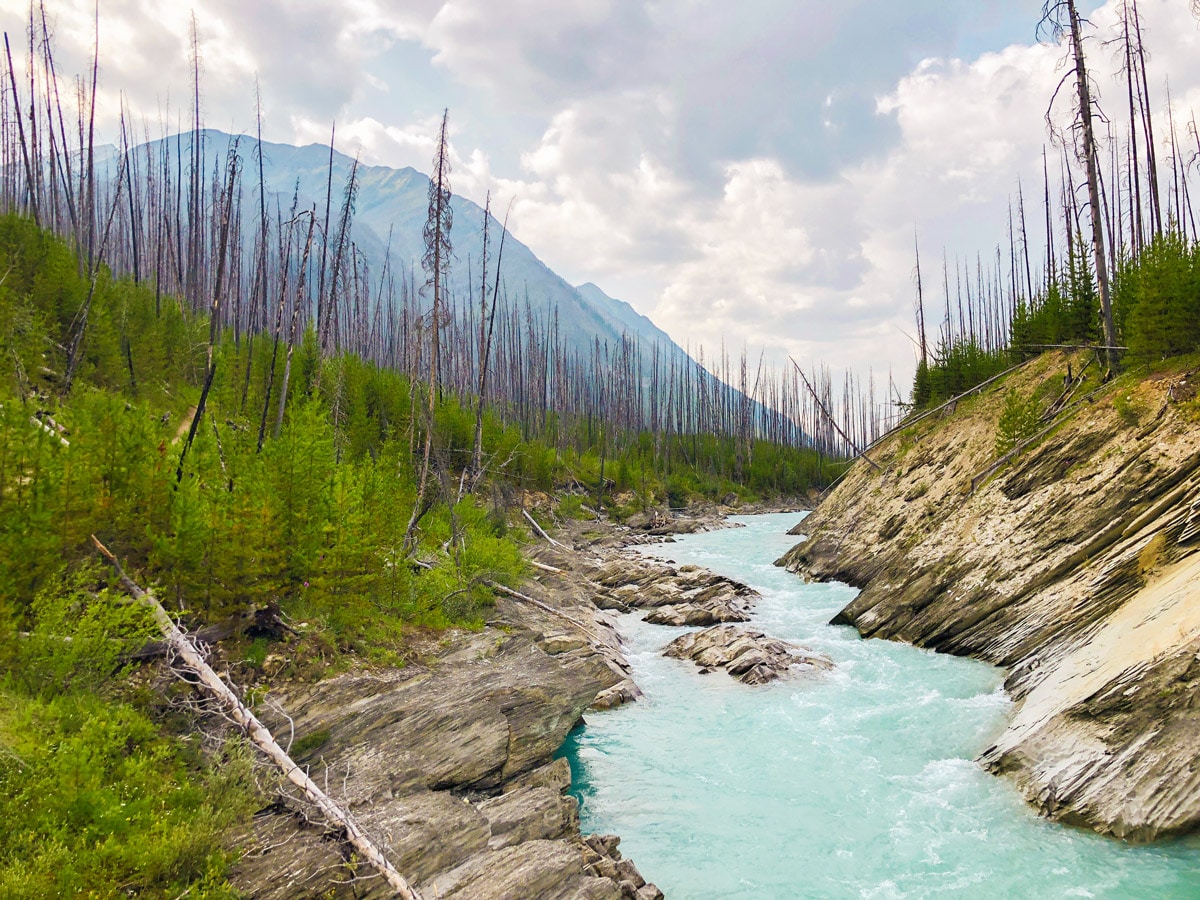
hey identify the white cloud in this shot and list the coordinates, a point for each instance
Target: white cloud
(749, 175)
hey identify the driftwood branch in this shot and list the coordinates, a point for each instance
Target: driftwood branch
(235, 709)
(979, 388)
(51, 428)
(832, 421)
(980, 477)
(545, 607)
(538, 528)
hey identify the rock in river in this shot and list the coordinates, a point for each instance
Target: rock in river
(688, 595)
(749, 656)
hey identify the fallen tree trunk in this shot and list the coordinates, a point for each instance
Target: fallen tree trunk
(231, 705)
(545, 607)
(539, 530)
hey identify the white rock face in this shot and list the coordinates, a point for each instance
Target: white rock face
(1073, 566)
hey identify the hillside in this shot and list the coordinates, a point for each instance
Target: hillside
(389, 215)
(1073, 565)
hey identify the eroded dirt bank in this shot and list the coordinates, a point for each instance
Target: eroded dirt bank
(1073, 565)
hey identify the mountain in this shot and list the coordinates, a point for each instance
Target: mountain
(390, 213)
(623, 317)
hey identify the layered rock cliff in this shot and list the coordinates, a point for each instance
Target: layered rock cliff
(1073, 565)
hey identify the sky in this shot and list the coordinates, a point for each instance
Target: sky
(753, 174)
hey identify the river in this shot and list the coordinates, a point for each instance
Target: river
(857, 783)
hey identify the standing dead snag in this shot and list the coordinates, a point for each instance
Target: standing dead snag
(436, 262)
(1061, 17)
(485, 347)
(213, 685)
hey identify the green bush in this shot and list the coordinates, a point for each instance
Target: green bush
(94, 798)
(1157, 300)
(97, 803)
(1019, 420)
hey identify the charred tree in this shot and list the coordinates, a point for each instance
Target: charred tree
(1061, 17)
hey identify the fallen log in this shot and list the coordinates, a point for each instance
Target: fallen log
(545, 607)
(538, 529)
(259, 734)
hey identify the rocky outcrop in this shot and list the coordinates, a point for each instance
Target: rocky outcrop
(687, 595)
(448, 763)
(749, 656)
(1073, 565)
(662, 523)
(602, 858)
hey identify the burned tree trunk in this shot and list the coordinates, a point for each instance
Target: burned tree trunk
(1062, 17)
(435, 262)
(232, 706)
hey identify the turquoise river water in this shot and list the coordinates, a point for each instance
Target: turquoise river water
(858, 783)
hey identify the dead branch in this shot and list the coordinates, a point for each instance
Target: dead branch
(525, 598)
(538, 528)
(262, 738)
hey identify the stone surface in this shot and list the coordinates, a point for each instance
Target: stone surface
(527, 870)
(448, 764)
(556, 775)
(687, 595)
(282, 857)
(428, 832)
(531, 813)
(749, 656)
(1072, 566)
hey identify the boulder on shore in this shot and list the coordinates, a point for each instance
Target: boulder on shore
(749, 656)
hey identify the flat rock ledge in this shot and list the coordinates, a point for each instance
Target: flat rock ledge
(749, 656)
(449, 762)
(687, 595)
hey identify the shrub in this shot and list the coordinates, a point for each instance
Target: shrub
(1020, 419)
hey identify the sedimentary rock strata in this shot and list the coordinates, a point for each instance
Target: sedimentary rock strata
(749, 656)
(1074, 565)
(687, 595)
(448, 763)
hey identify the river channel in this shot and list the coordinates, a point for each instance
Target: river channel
(856, 783)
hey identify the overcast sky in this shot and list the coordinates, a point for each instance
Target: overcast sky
(752, 171)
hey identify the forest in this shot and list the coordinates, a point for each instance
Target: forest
(1119, 264)
(304, 459)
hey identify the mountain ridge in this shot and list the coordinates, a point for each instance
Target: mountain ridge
(390, 211)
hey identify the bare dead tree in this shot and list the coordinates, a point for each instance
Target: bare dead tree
(326, 324)
(921, 337)
(232, 166)
(1060, 17)
(296, 307)
(25, 152)
(485, 354)
(435, 263)
(184, 649)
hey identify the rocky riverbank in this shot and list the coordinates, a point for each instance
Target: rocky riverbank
(688, 595)
(751, 657)
(1073, 565)
(449, 763)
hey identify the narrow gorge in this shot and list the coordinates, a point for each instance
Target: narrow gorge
(1072, 565)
